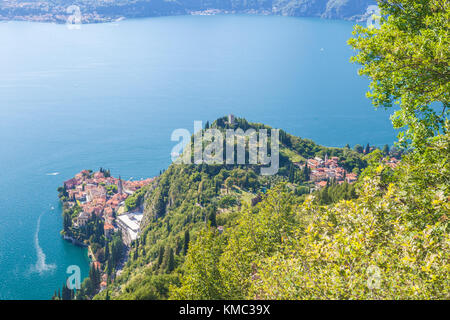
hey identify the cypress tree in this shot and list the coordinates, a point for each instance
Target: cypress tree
(171, 261)
(186, 242)
(107, 251)
(386, 150)
(212, 218)
(160, 255)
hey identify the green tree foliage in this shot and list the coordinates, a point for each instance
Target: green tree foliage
(334, 192)
(203, 279)
(228, 201)
(358, 148)
(227, 267)
(135, 200)
(390, 243)
(111, 190)
(407, 59)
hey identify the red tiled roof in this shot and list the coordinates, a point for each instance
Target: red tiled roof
(108, 226)
(322, 183)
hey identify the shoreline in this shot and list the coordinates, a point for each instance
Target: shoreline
(61, 19)
(74, 241)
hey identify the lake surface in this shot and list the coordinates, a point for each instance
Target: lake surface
(110, 95)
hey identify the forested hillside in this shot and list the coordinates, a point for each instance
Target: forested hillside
(390, 243)
(189, 199)
(387, 240)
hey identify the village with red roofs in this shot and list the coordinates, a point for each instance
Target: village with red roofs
(102, 195)
(328, 169)
(97, 196)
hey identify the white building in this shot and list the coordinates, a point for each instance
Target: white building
(129, 223)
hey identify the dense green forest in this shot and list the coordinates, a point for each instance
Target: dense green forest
(225, 232)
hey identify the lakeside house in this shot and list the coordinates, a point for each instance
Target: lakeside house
(83, 217)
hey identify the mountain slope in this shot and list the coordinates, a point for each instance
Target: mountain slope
(189, 198)
(392, 242)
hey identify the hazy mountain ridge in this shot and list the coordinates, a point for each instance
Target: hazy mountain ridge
(93, 11)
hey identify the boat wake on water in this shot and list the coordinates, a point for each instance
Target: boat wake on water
(52, 174)
(40, 266)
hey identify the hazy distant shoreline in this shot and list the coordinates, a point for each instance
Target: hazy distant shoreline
(89, 13)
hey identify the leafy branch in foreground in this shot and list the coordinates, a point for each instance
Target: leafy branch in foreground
(408, 60)
(286, 249)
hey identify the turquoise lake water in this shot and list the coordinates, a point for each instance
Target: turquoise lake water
(110, 95)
